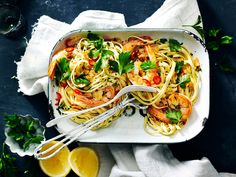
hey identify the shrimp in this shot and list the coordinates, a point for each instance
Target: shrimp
(96, 98)
(175, 101)
(66, 53)
(131, 44)
(180, 101)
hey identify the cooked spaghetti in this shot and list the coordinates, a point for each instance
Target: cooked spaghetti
(85, 79)
(91, 72)
(169, 67)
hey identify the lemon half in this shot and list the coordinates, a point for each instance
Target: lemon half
(58, 165)
(84, 162)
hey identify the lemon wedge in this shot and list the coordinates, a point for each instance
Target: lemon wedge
(84, 162)
(58, 165)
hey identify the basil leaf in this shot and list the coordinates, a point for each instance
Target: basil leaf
(148, 65)
(174, 115)
(174, 45)
(183, 80)
(179, 66)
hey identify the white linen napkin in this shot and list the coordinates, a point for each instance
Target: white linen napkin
(131, 160)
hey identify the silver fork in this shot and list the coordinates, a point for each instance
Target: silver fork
(76, 132)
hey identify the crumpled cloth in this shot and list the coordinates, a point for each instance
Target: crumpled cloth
(122, 160)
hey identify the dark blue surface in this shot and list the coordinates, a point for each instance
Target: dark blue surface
(218, 139)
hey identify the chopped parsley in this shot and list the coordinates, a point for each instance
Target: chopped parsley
(96, 40)
(62, 71)
(148, 65)
(174, 115)
(174, 45)
(124, 63)
(23, 130)
(184, 80)
(179, 66)
(82, 80)
(103, 60)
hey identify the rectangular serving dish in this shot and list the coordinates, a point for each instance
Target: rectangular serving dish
(131, 129)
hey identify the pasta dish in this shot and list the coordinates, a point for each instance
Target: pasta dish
(90, 72)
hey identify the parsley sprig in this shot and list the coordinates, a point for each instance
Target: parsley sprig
(174, 115)
(215, 42)
(175, 46)
(62, 71)
(197, 26)
(7, 163)
(148, 65)
(124, 63)
(23, 130)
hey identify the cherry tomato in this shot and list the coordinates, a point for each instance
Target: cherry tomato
(157, 79)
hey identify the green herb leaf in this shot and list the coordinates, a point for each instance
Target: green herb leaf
(94, 53)
(127, 68)
(226, 40)
(98, 65)
(103, 61)
(96, 40)
(179, 66)
(7, 164)
(148, 65)
(23, 130)
(63, 65)
(197, 26)
(114, 65)
(82, 80)
(62, 71)
(93, 37)
(213, 32)
(213, 45)
(174, 45)
(125, 63)
(174, 115)
(163, 40)
(34, 140)
(227, 67)
(184, 80)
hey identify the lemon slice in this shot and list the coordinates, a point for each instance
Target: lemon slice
(58, 165)
(84, 162)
